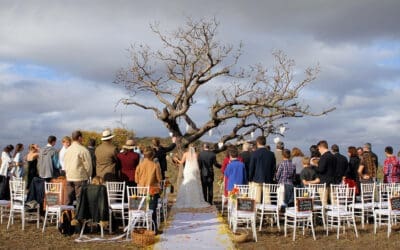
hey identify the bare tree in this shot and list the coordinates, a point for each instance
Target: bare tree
(193, 59)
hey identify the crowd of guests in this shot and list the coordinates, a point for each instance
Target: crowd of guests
(254, 165)
(78, 164)
(257, 164)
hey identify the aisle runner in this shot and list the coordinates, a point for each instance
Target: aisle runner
(195, 231)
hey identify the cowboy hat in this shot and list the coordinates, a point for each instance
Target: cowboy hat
(107, 135)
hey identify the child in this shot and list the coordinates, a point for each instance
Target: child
(308, 175)
(235, 171)
(286, 174)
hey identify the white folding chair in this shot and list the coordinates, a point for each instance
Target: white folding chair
(17, 204)
(52, 197)
(4, 209)
(224, 198)
(366, 206)
(390, 213)
(319, 196)
(271, 196)
(244, 216)
(341, 209)
(116, 202)
(139, 215)
(162, 205)
(302, 212)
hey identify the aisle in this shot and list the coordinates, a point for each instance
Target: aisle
(190, 230)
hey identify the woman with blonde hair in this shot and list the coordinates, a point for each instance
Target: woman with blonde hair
(148, 174)
(32, 159)
(297, 160)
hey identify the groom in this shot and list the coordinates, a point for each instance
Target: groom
(207, 159)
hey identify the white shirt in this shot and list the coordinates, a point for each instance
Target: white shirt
(61, 157)
(5, 163)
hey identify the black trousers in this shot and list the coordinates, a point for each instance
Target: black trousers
(208, 190)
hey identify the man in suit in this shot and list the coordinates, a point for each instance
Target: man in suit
(262, 167)
(326, 168)
(341, 164)
(161, 153)
(207, 159)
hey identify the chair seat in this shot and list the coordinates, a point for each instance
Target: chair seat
(267, 207)
(4, 203)
(369, 205)
(318, 207)
(386, 212)
(341, 213)
(293, 213)
(60, 207)
(118, 206)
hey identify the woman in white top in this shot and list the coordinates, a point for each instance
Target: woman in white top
(6, 165)
(18, 161)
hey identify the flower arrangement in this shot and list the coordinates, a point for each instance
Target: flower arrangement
(234, 193)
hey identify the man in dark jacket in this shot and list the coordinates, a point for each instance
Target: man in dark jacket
(161, 153)
(326, 168)
(207, 159)
(262, 167)
(341, 164)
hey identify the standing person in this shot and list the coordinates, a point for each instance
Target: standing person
(308, 174)
(352, 169)
(341, 164)
(360, 152)
(48, 160)
(224, 165)
(326, 168)
(207, 159)
(190, 194)
(129, 161)
(161, 153)
(236, 170)
(66, 142)
(391, 167)
(368, 148)
(92, 148)
(297, 161)
(246, 155)
(367, 168)
(262, 167)
(6, 165)
(78, 167)
(148, 174)
(278, 152)
(314, 153)
(18, 161)
(106, 158)
(285, 174)
(32, 159)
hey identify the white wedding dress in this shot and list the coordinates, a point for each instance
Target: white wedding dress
(190, 194)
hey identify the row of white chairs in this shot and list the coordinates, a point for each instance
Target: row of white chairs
(341, 212)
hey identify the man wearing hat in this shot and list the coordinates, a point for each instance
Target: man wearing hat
(106, 157)
(129, 160)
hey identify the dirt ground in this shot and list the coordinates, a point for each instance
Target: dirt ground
(268, 238)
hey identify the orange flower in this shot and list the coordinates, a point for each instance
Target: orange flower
(154, 190)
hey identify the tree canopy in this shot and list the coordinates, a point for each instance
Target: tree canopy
(192, 59)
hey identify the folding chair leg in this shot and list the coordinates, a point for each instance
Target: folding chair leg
(110, 221)
(45, 220)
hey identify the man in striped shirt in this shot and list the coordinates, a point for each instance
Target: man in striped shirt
(286, 175)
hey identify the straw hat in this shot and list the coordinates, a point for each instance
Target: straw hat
(107, 135)
(129, 144)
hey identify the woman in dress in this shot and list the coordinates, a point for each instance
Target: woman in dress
(32, 159)
(18, 161)
(6, 165)
(190, 194)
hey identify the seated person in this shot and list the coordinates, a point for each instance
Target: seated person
(235, 171)
(308, 175)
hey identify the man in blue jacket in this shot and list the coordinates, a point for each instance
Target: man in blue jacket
(262, 167)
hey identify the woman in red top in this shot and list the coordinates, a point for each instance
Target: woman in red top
(391, 167)
(129, 161)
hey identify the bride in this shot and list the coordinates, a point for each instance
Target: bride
(190, 194)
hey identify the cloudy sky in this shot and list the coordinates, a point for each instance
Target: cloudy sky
(58, 60)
